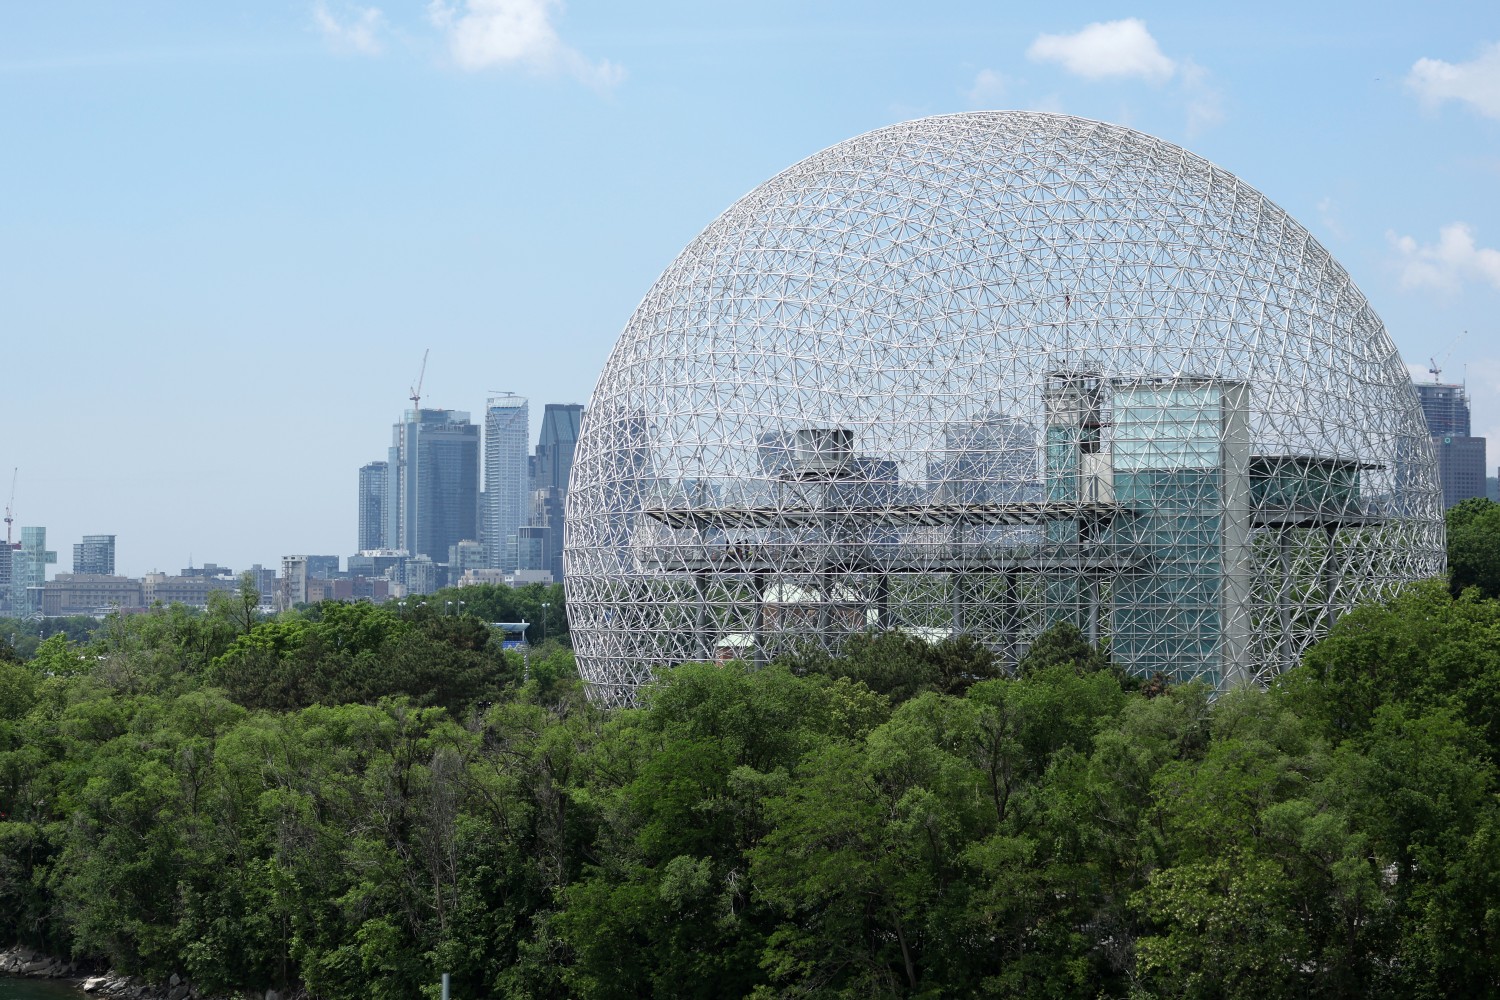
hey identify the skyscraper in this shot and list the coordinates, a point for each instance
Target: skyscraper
(506, 437)
(373, 498)
(1461, 458)
(437, 476)
(393, 495)
(1446, 408)
(29, 572)
(551, 469)
(95, 554)
(556, 444)
(7, 556)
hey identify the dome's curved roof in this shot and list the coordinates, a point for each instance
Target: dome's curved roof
(920, 290)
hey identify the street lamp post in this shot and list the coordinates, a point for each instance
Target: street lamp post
(545, 606)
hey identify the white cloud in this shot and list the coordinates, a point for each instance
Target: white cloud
(988, 90)
(354, 29)
(1124, 49)
(1106, 49)
(1448, 263)
(500, 33)
(1476, 82)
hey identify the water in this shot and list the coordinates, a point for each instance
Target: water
(15, 988)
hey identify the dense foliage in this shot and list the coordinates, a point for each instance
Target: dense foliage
(358, 798)
(23, 635)
(1474, 546)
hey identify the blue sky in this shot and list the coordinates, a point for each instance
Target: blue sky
(229, 230)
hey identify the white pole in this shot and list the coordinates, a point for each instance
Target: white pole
(445, 986)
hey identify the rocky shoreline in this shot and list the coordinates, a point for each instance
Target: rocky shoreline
(20, 961)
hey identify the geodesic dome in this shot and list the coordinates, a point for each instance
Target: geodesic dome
(982, 373)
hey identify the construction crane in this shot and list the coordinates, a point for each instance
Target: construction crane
(1437, 366)
(9, 518)
(416, 390)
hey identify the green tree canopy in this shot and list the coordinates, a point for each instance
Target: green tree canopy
(901, 665)
(353, 799)
(1474, 546)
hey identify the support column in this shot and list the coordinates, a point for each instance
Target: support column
(705, 647)
(1283, 599)
(1008, 657)
(1331, 575)
(823, 608)
(1093, 609)
(757, 630)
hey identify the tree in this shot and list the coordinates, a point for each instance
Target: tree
(241, 608)
(1420, 786)
(1423, 648)
(936, 856)
(542, 604)
(18, 683)
(900, 665)
(1063, 644)
(1474, 546)
(340, 653)
(683, 787)
(1231, 911)
(56, 656)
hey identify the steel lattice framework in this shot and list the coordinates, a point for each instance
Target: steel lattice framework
(985, 372)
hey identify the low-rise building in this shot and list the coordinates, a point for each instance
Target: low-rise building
(421, 575)
(91, 594)
(522, 577)
(376, 590)
(474, 577)
(193, 591)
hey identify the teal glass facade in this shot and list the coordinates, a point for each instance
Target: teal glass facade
(1158, 468)
(1170, 619)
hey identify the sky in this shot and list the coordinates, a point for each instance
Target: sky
(230, 230)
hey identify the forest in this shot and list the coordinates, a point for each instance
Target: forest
(350, 800)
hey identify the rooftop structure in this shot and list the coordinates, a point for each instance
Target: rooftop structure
(982, 374)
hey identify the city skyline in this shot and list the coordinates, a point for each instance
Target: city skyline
(242, 225)
(373, 518)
